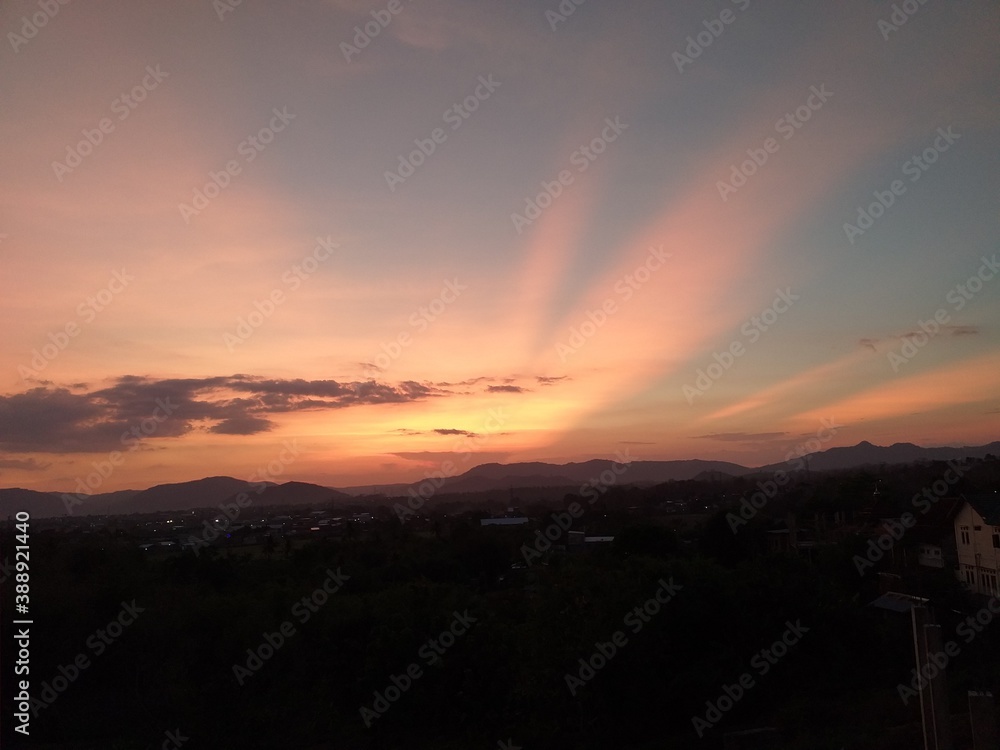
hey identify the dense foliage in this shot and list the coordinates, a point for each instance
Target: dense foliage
(505, 676)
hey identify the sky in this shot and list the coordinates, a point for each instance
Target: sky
(353, 242)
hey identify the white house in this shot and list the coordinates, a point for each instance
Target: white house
(977, 537)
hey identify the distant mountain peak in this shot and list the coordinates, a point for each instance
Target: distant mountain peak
(209, 492)
(866, 453)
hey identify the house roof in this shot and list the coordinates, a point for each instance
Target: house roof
(938, 522)
(986, 504)
(897, 602)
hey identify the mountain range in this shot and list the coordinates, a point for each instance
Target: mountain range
(213, 491)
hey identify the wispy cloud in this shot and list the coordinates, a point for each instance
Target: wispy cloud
(743, 437)
(459, 458)
(881, 344)
(24, 464)
(542, 380)
(449, 431)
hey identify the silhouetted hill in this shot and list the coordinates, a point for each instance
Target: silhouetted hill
(292, 493)
(38, 504)
(50, 504)
(212, 491)
(199, 493)
(867, 454)
(494, 476)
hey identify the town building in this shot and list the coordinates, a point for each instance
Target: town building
(977, 539)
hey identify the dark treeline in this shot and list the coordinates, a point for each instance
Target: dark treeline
(504, 676)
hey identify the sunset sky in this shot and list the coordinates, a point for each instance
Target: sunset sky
(492, 232)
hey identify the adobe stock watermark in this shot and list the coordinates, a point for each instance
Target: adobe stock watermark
(30, 26)
(969, 628)
(787, 126)
(958, 296)
(87, 311)
(173, 740)
(259, 478)
(761, 662)
(434, 480)
(455, 115)
(895, 530)
(430, 652)
(97, 643)
(593, 489)
(636, 619)
(581, 158)
(302, 610)
(122, 106)
(249, 148)
(363, 36)
(222, 7)
(752, 329)
(914, 168)
(767, 490)
(563, 521)
(104, 469)
(419, 319)
(293, 278)
(562, 12)
(625, 287)
(901, 13)
(714, 28)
